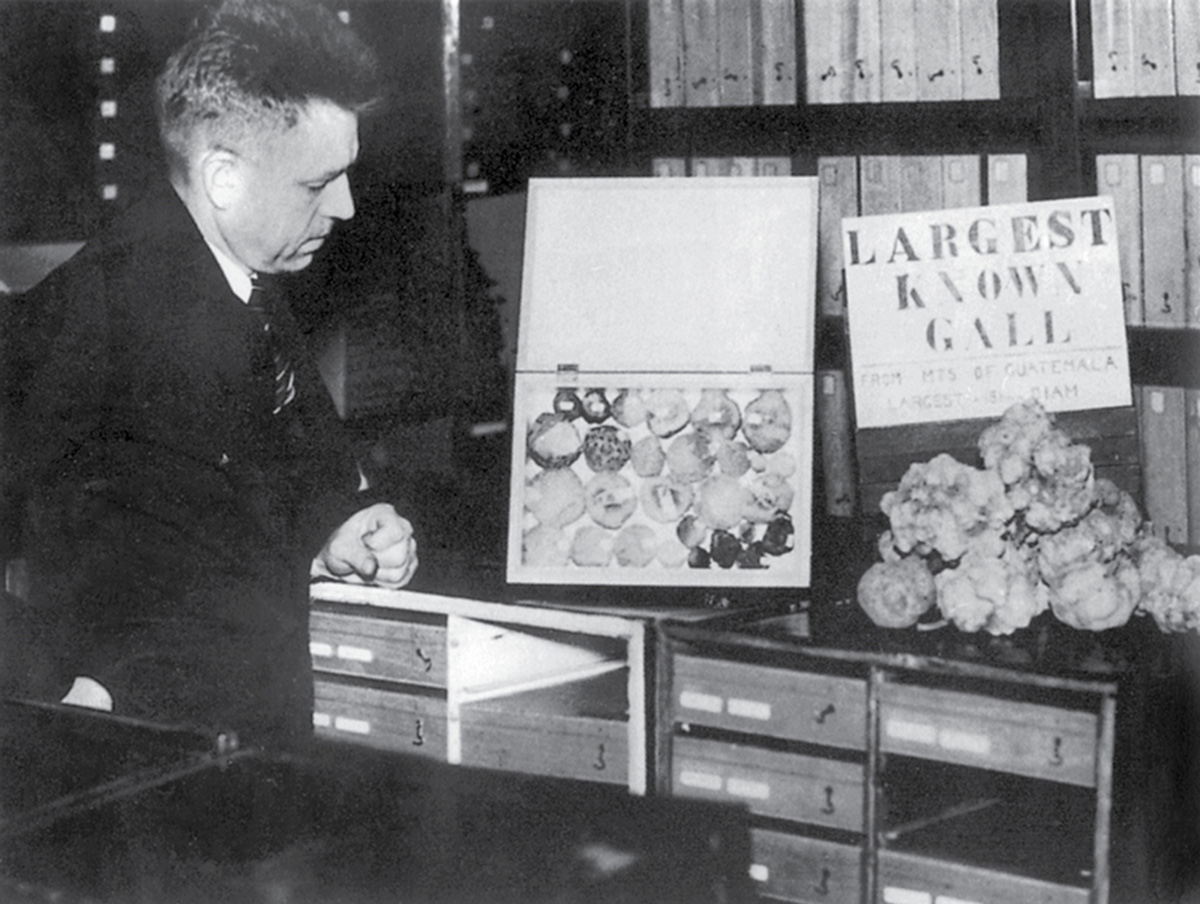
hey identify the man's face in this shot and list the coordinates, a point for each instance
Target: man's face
(294, 187)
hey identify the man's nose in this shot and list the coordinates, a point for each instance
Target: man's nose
(338, 201)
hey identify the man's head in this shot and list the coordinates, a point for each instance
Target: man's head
(258, 113)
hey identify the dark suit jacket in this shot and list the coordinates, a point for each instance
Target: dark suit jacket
(168, 517)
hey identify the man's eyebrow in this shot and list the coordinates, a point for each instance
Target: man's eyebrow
(328, 175)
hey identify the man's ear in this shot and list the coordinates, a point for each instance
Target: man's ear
(221, 174)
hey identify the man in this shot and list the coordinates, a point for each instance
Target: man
(178, 454)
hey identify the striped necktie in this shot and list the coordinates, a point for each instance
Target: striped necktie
(263, 298)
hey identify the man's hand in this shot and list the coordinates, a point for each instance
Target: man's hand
(373, 546)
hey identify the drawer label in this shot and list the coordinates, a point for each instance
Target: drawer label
(707, 780)
(317, 648)
(321, 720)
(354, 654)
(353, 726)
(709, 703)
(894, 895)
(965, 742)
(741, 787)
(749, 709)
(917, 732)
(955, 739)
(759, 872)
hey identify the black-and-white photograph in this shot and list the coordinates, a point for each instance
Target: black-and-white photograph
(600, 451)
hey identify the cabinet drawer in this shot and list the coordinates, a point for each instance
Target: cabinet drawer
(579, 747)
(912, 879)
(769, 782)
(378, 648)
(387, 720)
(808, 870)
(1009, 736)
(779, 703)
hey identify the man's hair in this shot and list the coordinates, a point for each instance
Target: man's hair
(249, 67)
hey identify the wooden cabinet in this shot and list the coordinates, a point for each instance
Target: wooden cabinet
(867, 776)
(520, 687)
(895, 778)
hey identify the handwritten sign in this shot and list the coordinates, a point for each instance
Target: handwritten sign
(957, 314)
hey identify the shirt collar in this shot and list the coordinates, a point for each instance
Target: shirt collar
(239, 280)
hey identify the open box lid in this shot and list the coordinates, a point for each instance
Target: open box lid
(669, 275)
(663, 394)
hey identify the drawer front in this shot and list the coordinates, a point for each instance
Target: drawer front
(808, 870)
(769, 782)
(385, 720)
(576, 747)
(778, 703)
(975, 730)
(378, 648)
(912, 879)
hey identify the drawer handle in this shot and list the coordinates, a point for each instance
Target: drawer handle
(824, 714)
(426, 660)
(1056, 757)
(829, 807)
(599, 765)
(419, 740)
(822, 887)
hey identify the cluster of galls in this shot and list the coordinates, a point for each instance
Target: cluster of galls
(727, 549)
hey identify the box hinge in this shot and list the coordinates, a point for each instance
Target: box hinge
(760, 368)
(568, 371)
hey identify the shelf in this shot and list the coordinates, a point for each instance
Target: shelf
(904, 877)
(1009, 824)
(492, 660)
(578, 730)
(1141, 125)
(556, 680)
(915, 128)
(943, 816)
(599, 696)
